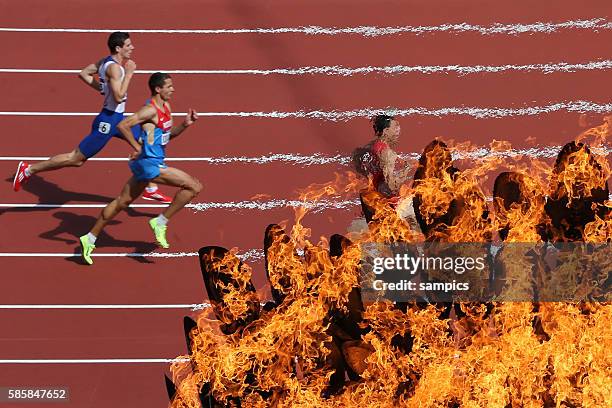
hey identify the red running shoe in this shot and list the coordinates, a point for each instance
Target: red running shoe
(157, 196)
(20, 176)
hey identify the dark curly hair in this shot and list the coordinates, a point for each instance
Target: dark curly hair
(381, 122)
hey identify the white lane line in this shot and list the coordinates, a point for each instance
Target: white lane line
(338, 70)
(250, 255)
(320, 159)
(578, 106)
(545, 152)
(194, 306)
(31, 205)
(9, 113)
(112, 255)
(315, 206)
(98, 361)
(594, 24)
(289, 158)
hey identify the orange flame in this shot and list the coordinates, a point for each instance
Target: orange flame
(503, 354)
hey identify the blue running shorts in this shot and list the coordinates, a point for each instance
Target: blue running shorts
(146, 168)
(103, 128)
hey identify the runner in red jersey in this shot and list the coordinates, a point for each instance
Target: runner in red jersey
(147, 163)
(378, 159)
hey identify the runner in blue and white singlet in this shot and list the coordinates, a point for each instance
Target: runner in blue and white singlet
(113, 78)
(110, 103)
(104, 126)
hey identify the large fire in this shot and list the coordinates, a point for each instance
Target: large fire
(316, 343)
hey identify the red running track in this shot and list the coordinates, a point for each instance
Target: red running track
(119, 280)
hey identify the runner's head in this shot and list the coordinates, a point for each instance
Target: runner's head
(119, 43)
(160, 84)
(387, 127)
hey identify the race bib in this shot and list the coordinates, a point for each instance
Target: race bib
(165, 138)
(104, 128)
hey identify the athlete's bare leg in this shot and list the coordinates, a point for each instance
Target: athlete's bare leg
(131, 191)
(189, 187)
(72, 159)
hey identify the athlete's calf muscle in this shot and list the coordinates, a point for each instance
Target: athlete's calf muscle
(72, 159)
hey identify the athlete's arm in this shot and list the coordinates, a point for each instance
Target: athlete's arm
(191, 117)
(118, 86)
(145, 114)
(87, 76)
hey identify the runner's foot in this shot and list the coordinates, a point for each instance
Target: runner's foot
(157, 196)
(20, 175)
(160, 233)
(86, 249)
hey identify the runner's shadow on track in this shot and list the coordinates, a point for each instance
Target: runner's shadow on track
(51, 193)
(70, 223)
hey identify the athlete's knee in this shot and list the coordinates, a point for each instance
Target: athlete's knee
(123, 202)
(196, 187)
(76, 158)
(199, 186)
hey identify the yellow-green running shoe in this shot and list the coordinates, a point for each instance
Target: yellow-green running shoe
(86, 249)
(160, 233)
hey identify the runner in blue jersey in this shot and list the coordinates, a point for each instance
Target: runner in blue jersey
(114, 74)
(147, 163)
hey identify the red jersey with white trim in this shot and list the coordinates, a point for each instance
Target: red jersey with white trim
(161, 134)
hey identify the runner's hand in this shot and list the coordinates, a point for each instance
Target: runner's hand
(130, 66)
(192, 116)
(134, 155)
